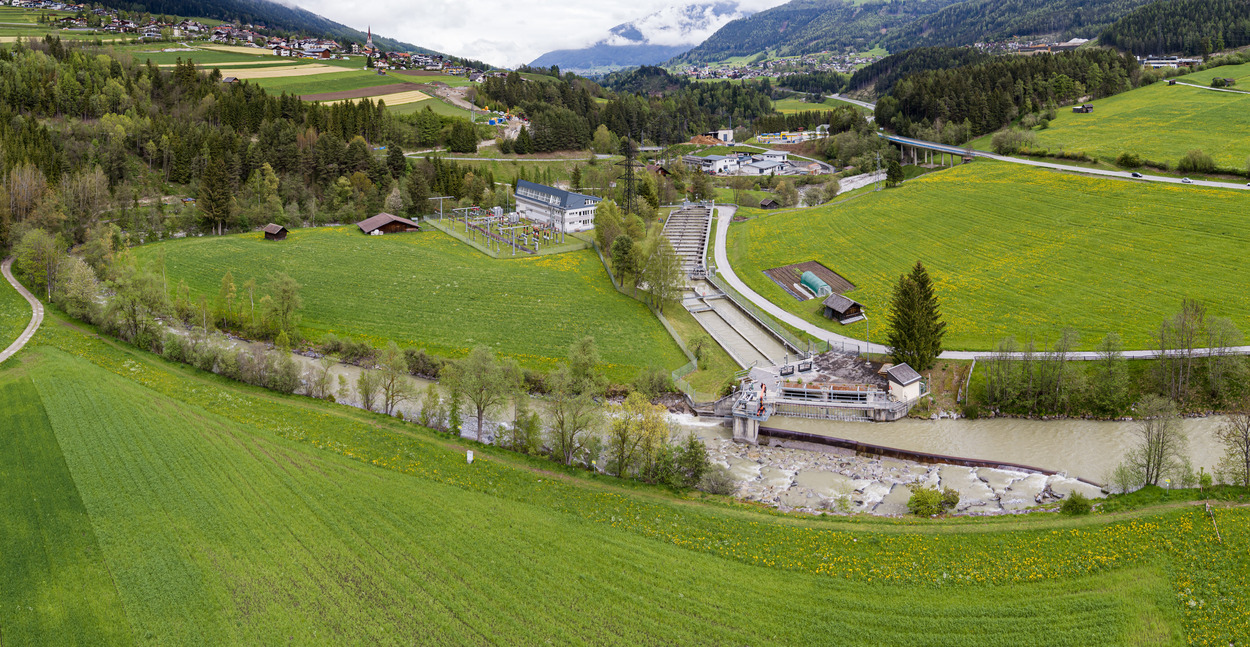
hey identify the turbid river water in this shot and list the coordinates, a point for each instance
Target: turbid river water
(1083, 448)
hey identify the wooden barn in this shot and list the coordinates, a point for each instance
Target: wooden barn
(275, 232)
(385, 223)
(842, 309)
(769, 203)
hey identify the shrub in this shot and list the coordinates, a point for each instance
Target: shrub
(422, 364)
(1006, 142)
(652, 381)
(1128, 160)
(1196, 161)
(925, 502)
(1076, 504)
(718, 480)
(929, 501)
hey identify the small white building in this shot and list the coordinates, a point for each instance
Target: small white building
(772, 156)
(725, 135)
(905, 385)
(568, 211)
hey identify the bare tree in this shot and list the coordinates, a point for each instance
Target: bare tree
(1176, 340)
(1000, 383)
(367, 389)
(1234, 435)
(1162, 441)
(1221, 335)
(318, 381)
(573, 414)
(394, 387)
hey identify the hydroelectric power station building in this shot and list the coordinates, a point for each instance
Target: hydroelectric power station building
(566, 210)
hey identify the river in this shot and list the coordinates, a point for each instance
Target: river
(1086, 449)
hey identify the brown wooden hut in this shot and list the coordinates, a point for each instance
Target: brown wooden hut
(769, 203)
(385, 223)
(842, 309)
(275, 232)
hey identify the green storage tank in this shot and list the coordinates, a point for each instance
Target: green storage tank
(817, 286)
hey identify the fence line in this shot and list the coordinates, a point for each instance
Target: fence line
(678, 375)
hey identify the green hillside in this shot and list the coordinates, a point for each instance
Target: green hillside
(1159, 122)
(429, 290)
(170, 506)
(1017, 251)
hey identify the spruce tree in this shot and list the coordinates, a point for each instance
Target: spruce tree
(916, 326)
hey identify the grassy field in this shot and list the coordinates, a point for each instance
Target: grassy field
(436, 104)
(14, 314)
(792, 105)
(1018, 252)
(1159, 122)
(336, 81)
(156, 504)
(429, 290)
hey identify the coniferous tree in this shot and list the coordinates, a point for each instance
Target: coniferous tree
(215, 202)
(916, 326)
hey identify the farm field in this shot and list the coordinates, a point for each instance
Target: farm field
(282, 72)
(340, 80)
(1158, 122)
(436, 104)
(391, 98)
(792, 105)
(1016, 251)
(429, 290)
(225, 513)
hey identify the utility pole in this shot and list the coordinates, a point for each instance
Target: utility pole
(878, 170)
(440, 204)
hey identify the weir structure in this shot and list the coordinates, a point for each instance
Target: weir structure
(831, 386)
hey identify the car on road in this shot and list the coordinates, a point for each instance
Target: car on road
(1186, 180)
(1136, 174)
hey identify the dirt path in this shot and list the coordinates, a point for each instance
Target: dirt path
(36, 308)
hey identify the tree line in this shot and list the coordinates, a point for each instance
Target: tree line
(986, 96)
(1186, 27)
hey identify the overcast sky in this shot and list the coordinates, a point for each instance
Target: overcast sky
(495, 31)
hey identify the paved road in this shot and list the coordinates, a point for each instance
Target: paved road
(724, 214)
(862, 104)
(1120, 175)
(36, 309)
(1207, 87)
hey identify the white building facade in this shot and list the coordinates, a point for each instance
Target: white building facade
(568, 211)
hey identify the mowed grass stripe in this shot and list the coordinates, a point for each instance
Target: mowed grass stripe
(14, 314)
(1019, 252)
(55, 582)
(429, 290)
(345, 552)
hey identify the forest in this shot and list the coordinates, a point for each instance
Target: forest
(880, 76)
(1188, 27)
(987, 96)
(649, 104)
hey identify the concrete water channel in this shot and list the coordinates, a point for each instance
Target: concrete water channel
(747, 341)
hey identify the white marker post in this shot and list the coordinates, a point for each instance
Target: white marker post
(469, 457)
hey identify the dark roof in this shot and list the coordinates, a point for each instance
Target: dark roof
(768, 201)
(559, 197)
(274, 229)
(839, 303)
(903, 374)
(376, 222)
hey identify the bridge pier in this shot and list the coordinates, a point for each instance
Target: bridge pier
(746, 430)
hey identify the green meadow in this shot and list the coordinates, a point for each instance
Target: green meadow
(1016, 251)
(1159, 122)
(427, 289)
(795, 104)
(331, 82)
(150, 503)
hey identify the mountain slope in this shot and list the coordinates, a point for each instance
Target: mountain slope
(650, 40)
(262, 12)
(805, 26)
(1182, 27)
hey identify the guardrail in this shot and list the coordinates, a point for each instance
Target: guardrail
(789, 339)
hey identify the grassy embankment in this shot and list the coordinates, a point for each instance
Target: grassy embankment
(428, 290)
(796, 104)
(14, 314)
(1161, 123)
(1018, 252)
(151, 503)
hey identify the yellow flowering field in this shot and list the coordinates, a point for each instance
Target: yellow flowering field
(1017, 251)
